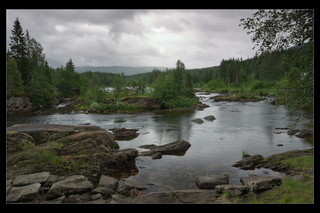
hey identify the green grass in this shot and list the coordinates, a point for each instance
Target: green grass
(291, 191)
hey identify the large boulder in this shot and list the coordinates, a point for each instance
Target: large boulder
(18, 104)
(178, 147)
(65, 149)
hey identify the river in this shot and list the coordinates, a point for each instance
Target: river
(215, 145)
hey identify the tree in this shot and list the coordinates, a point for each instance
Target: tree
(14, 82)
(278, 30)
(68, 82)
(178, 75)
(18, 50)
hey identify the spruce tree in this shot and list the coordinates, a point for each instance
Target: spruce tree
(18, 50)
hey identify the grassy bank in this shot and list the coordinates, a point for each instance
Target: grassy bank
(296, 188)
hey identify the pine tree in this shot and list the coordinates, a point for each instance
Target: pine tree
(18, 50)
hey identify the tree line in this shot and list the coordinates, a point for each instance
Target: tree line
(288, 70)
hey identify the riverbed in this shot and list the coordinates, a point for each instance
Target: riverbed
(251, 127)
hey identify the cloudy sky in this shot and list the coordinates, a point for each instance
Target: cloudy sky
(200, 38)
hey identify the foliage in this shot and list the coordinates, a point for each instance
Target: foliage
(31, 68)
(68, 82)
(14, 81)
(279, 30)
(175, 89)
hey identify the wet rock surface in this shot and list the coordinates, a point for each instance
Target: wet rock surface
(124, 133)
(178, 147)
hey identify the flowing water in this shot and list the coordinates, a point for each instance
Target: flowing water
(215, 145)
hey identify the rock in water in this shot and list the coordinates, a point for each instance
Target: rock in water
(178, 147)
(209, 118)
(124, 134)
(249, 162)
(197, 120)
(211, 181)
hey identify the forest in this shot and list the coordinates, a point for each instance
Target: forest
(285, 73)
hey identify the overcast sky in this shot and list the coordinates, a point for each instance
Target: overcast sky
(200, 38)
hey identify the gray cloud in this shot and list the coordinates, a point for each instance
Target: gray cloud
(200, 38)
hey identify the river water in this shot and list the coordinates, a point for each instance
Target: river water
(215, 145)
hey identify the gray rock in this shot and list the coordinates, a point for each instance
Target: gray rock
(197, 120)
(260, 183)
(178, 147)
(22, 180)
(23, 193)
(70, 185)
(209, 118)
(76, 198)
(108, 182)
(95, 196)
(156, 155)
(126, 185)
(233, 190)
(249, 162)
(103, 191)
(303, 134)
(211, 181)
(292, 131)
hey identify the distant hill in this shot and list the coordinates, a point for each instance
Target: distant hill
(118, 69)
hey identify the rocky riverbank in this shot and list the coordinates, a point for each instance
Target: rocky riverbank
(50, 163)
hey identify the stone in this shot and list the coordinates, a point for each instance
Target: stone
(260, 183)
(211, 181)
(303, 134)
(178, 147)
(103, 191)
(76, 198)
(233, 190)
(108, 182)
(209, 118)
(70, 185)
(124, 134)
(156, 155)
(292, 131)
(18, 104)
(126, 185)
(23, 193)
(22, 180)
(197, 120)
(95, 196)
(249, 163)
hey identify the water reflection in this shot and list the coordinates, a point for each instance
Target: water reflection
(215, 145)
